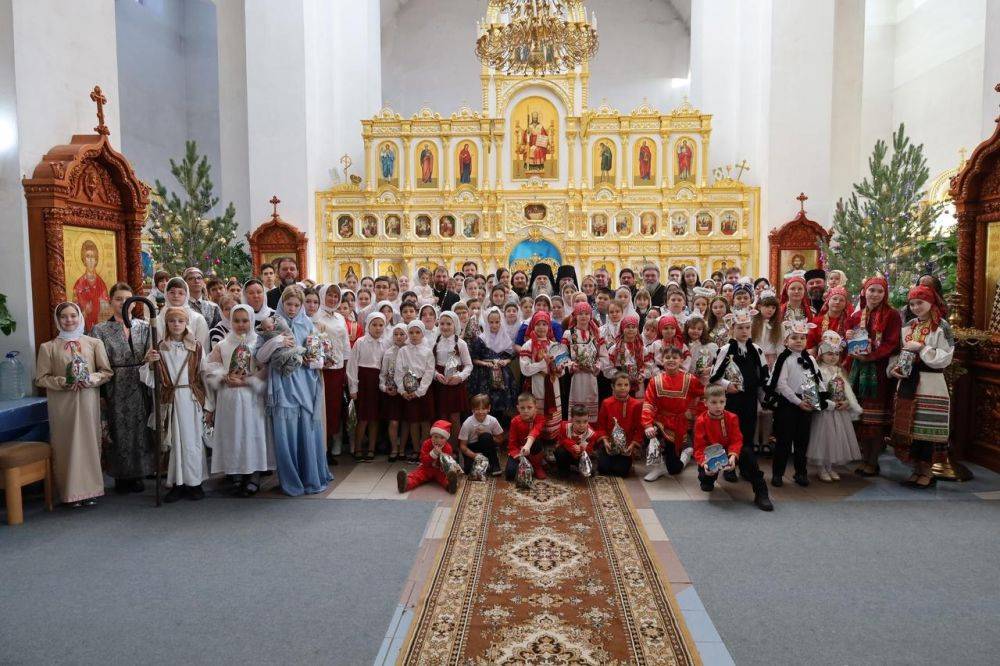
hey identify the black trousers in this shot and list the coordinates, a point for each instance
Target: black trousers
(744, 405)
(613, 465)
(564, 459)
(669, 453)
(747, 464)
(510, 471)
(488, 448)
(791, 425)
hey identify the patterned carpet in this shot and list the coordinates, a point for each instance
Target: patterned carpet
(561, 574)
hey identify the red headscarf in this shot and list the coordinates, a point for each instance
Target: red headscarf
(924, 293)
(806, 305)
(874, 319)
(835, 291)
(592, 328)
(670, 320)
(539, 345)
(636, 347)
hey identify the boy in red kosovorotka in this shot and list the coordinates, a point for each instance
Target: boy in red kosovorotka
(717, 426)
(620, 411)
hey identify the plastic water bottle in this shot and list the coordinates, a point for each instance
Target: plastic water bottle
(13, 384)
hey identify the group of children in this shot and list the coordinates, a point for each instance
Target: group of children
(570, 377)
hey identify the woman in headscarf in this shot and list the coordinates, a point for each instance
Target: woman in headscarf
(832, 316)
(333, 324)
(71, 367)
(920, 423)
(347, 311)
(869, 369)
(295, 402)
(127, 452)
(491, 352)
(255, 296)
(588, 356)
(543, 360)
(794, 304)
(242, 447)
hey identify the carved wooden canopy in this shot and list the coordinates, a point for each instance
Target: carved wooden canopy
(976, 193)
(799, 233)
(85, 184)
(278, 238)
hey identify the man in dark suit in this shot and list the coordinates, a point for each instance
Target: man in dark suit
(445, 298)
(288, 274)
(651, 278)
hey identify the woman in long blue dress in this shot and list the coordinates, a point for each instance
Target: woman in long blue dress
(295, 400)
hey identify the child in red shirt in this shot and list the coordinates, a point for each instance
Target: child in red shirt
(430, 468)
(623, 411)
(671, 399)
(717, 426)
(575, 437)
(523, 437)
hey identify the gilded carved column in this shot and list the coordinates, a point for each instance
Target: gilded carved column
(966, 261)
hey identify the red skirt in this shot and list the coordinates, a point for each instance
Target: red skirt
(450, 398)
(367, 404)
(392, 406)
(333, 385)
(419, 410)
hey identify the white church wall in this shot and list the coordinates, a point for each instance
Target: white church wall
(60, 50)
(991, 68)
(234, 172)
(428, 53)
(168, 69)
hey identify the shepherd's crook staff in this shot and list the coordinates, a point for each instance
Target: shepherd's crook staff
(157, 441)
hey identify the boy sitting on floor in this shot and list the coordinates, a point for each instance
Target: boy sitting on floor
(480, 433)
(522, 439)
(575, 437)
(623, 412)
(430, 468)
(717, 426)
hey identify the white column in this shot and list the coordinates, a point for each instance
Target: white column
(312, 73)
(991, 69)
(234, 170)
(52, 53)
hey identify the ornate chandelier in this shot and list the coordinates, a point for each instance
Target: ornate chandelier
(536, 37)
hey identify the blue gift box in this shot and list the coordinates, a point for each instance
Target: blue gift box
(716, 457)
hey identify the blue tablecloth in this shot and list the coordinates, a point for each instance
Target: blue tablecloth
(25, 420)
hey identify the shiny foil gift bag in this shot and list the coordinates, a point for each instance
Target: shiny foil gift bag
(525, 477)
(904, 363)
(586, 466)
(810, 391)
(653, 455)
(410, 382)
(733, 374)
(618, 442)
(480, 468)
(448, 464)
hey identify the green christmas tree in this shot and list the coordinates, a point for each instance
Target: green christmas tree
(182, 233)
(886, 226)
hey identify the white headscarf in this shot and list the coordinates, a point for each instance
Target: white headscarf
(76, 333)
(452, 342)
(629, 309)
(388, 304)
(343, 297)
(324, 311)
(372, 316)
(265, 310)
(499, 342)
(232, 340)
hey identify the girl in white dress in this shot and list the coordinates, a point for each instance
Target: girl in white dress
(185, 404)
(831, 436)
(178, 296)
(242, 446)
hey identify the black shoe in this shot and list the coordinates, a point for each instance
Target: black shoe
(137, 486)
(174, 495)
(391, 459)
(777, 481)
(331, 459)
(90, 501)
(401, 481)
(195, 493)
(801, 479)
(122, 486)
(730, 476)
(763, 502)
(707, 487)
(370, 456)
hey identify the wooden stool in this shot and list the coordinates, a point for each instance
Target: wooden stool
(22, 463)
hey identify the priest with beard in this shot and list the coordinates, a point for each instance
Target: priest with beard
(542, 280)
(519, 283)
(445, 299)
(816, 287)
(566, 275)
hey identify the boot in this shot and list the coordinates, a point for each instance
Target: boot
(686, 455)
(401, 481)
(537, 461)
(760, 496)
(655, 472)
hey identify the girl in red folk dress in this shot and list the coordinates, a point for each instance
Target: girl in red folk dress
(832, 316)
(920, 422)
(868, 369)
(542, 362)
(588, 356)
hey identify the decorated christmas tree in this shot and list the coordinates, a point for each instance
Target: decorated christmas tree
(886, 227)
(183, 234)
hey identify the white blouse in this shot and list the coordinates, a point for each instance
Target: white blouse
(791, 377)
(367, 353)
(446, 347)
(419, 360)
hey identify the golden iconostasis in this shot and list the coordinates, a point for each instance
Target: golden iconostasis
(536, 175)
